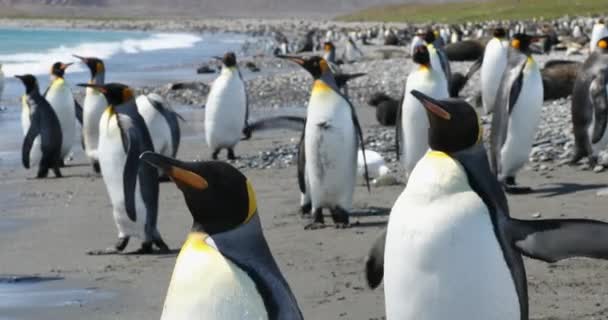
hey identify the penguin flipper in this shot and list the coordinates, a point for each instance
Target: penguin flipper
(398, 128)
(555, 240)
(28, 140)
(374, 265)
(78, 110)
(359, 133)
(131, 169)
(246, 128)
(302, 163)
(597, 96)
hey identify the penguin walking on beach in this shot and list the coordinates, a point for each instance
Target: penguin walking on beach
(329, 154)
(493, 67)
(450, 241)
(412, 125)
(227, 110)
(329, 54)
(590, 106)
(225, 269)
(132, 186)
(517, 111)
(59, 95)
(162, 122)
(42, 130)
(94, 105)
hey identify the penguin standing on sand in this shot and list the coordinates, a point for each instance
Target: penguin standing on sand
(60, 97)
(225, 269)
(329, 54)
(492, 68)
(517, 111)
(450, 242)
(227, 110)
(331, 138)
(590, 106)
(94, 105)
(42, 129)
(132, 186)
(162, 122)
(412, 125)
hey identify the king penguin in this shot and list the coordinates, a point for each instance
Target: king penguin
(162, 122)
(451, 250)
(492, 68)
(327, 164)
(42, 131)
(132, 187)
(413, 125)
(598, 32)
(517, 111)
(94, 105)
(590, 105)
(439, 60)
(227, 109)
(225, 269)
(60, 97)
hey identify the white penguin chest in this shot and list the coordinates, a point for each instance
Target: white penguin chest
(94, 105)
(442, 258)
(225, 110)
(492, 69)
(205, 285)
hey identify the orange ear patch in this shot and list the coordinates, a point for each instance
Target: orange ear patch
(602, 44)
(515, 43)
(188, 178)
(127, 94)
(437, 110)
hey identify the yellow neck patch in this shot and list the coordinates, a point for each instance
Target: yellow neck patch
(58, 82)
(110, 111)
(437, 154)
(253, 206)
(24, 103)
(197, 241)
(320, 86)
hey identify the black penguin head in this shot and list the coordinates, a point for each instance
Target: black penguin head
(421, 55)
(228, 60)
(95, 65)
(115, 93)
(454, 125)
(521, 42)
(219, 196)
(30, 83)
(499, 33)
(602, 44)
(316, 65)
(429, 36)
(58, 69)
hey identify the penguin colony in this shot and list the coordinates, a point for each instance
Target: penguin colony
(451, 221)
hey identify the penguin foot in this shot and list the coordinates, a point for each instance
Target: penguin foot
(57, 172)
(318, 221)
(231, 155)
(305, 209)
(163, 178)
(146, 248)
(163, 248)
(96, 167)
(514, 189)
(215, 154)
(340, 217)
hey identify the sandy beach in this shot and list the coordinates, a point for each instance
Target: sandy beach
(47, 226)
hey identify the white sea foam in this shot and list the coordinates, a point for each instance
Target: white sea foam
(40, 63)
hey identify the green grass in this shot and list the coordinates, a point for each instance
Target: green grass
(479, 11)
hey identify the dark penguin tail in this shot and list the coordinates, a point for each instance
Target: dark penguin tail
(377, 98)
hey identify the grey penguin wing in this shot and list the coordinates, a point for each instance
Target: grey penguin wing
(246, 130)
(484, 184)
(374, 265)
(278, 122)
(78, 110)
(508, 91)
(554, 240)
(398, 124)
(172, 120)
(129, 136)
(597, 96)
(359, 133)
(445, 64)
(30, 136)
(302, 162)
